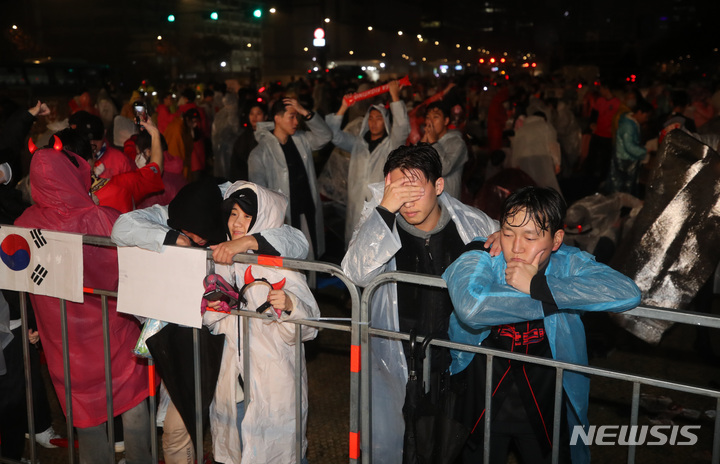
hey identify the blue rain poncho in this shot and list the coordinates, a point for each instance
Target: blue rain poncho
(482, 299)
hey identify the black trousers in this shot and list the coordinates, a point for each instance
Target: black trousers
(522, 411)
(13, 411)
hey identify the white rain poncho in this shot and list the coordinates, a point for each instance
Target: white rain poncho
(371, 252)
(268, 429)
(482, 299)
(535, 150)
(147, 228)
(454, 154)
(267, 166)
(365, 167)
(225, 130)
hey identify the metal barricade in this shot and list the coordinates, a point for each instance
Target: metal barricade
(354, 329)
(361, 333)
(271, 261)
(367, 332)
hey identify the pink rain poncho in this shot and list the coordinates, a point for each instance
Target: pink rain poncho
(60, 192)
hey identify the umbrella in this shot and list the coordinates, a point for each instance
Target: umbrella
(432, 435)
(172, 351)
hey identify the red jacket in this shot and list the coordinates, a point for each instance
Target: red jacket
(114, 162)
(124, 191)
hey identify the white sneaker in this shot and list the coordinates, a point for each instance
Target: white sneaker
(119, 446)
(43, 438)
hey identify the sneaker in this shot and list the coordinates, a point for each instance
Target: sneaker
(43, 438)
(119, 446)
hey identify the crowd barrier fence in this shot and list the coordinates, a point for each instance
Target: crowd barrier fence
(361, 333)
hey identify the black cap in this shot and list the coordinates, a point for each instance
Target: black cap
(246, 199)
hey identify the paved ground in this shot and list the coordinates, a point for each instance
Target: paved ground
(675, 359)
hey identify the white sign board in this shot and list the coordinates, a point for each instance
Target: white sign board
(167, 286)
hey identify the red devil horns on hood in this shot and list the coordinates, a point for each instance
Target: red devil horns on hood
(250, 279)
(57, 144)
(32, 148)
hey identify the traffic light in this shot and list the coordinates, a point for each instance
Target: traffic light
(171, 18)
(214, 15)
(257, 13)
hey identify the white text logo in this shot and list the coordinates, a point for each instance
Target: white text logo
(635, 435)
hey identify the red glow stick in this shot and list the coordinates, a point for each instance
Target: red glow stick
(356, 97)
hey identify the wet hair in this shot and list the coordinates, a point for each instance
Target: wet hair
(278, 108)
(439, 105)
(75, 142)
(421, 156)
(545, 207)
(144, 141)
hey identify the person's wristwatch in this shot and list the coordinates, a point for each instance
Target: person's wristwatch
(309, 115)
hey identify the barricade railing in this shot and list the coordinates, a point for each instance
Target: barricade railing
(262, 260)
(367, 331)
(360, 379)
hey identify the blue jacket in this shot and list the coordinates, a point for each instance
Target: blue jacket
(627, 140)
(482, 299)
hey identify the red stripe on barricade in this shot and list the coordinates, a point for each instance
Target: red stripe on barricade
(151, 383)
(354, 445)
(355, 358)
(270, 260)
(88, 290)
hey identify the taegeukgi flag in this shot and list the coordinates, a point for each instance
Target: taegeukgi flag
(42, 262)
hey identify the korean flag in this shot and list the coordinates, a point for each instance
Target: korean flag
(42, 262)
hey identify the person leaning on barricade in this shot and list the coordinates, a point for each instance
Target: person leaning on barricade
(60, 182)
(529, 300)
(410, 224)
(194, 218)
(268, 427)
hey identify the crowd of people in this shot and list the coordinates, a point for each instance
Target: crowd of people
(468, 180)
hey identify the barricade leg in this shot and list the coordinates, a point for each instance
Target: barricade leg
(68, 390)
(298, 394)
(634, 412)
(136, 429)
(108, 378)
(557, 414)
(28, 378)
